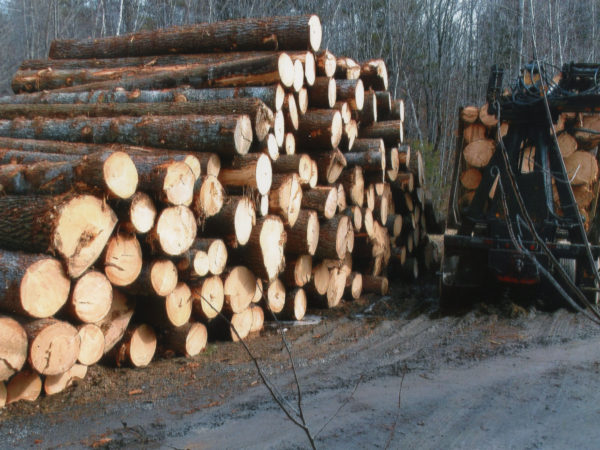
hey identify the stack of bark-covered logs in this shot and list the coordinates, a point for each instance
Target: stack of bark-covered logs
(203, 185)
(578, 136)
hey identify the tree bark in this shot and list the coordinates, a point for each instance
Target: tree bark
(234, 221)
(334, 238)
(326, 64)
(320, 128)
(323, 93)
(331, 165)
(322, 199)
(389, 130)
(351, 91)
(303, 236)
(298, 271)
(374, 75)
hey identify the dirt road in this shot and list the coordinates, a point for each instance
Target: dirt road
(501, 376)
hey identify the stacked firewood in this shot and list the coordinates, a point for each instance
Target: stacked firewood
(578, 136)
(158, 187)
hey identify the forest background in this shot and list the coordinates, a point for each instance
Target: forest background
(438, 52)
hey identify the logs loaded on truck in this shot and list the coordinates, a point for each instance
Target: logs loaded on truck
(164, 188)
(525, 190)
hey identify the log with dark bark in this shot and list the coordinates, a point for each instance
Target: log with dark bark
(349, 136)
(32, 285)
(295, 305)
(225, 135)
(354, 184)
(351, 91)
(122, 259)
(187, 340)
(368, 114)
(336, 238)
(397, 110)
(92, 344)
(303, 236)
(374, 74)
(263, 253)
(347, 68)
(298, 271)
(417, 167)
(389, 130)
(74, 227)
(298, 163)
(323, 93)
(157, 277)
(354, 213)
(371, 160)
(376, 285)
(320, 128)
(274, 33)
(207, 297)
(322, 199)
(285, 197)
(253, 170)
(136, 214)
(13, 350)
(137, 348)
(91, 298)
(344, 110)
(53, 345)
(331, 165)
(325, 63)
(174, 231)
(234, 221)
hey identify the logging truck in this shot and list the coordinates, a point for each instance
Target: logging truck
(524, 193)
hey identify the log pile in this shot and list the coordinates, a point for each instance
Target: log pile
(156, 184)
(578, 136)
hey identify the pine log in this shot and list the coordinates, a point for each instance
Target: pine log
(404, 155)
(268, 146)
(204, 256)
(274, 301)
(25, 385)
(474, 132)
(370, 161)
(117, 320)
(368, 221)
(258, 318)
(298, 163)
(374, 74)
(187, 340)
(253, 170)
(389, 131)
(279, 128)
(478, 153)
(298, 81)
(354, 213)
(92, 344)
(91, 298)
(349, 136)
(331, 165)
(54, 384)
(289, 145)
(122, 259)
(489, 120)
(209, 196)
(397, 110)
(137, 348)
(232, 327)
(136, 214)
(384, 106)
(210, 164)
(13, 347)
(290, 112)
(303, 236)
(238, 289)
(582, 168)
(347, 68)
(354, 184)
(351, 91)
(470, 178)
(295, 305)
(32, 285)
(336, 238)
(191, 264)
(368, 114)
(263, 253)
(335, 289)
(342, 204)
(10, 156)
(258, 291)
(384, 202)
(298, 271)
(157, 277)
(370, 196)
(262, 205)
(345, 111)
(405, 182)
(173, 310)
(285, 197)
(320, 128)
(375, 285)
(587, 131)
(469, 114)
(53, 345)
(354, 286)
(410, 269)
(323, 93)
(174, 231)
(207, 297)
(322, 199)
(583, 196)
(567, 144)
(417, 167)
(234, 221)
(394, 225)
(325, 63)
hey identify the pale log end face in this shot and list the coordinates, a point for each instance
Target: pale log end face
(258, 318)
(26, 385)
(142, 212)
(303, 270)
(120, 175)
(370, 197)
(356, 287)
(312, 232)
(321, 278)
(201, 263)
(123, 262)
(359, 95)
(294, 200)
(300, 304)
(92, 344)
(213, 166)
(276, 296)
(263, 205)
(142, 346)
(302, 100)
(272, 147)
(335, 290)
(357, 218)
(239, 288)
(84, 226)
(194, 164)
(242, 322)
(211, 196)
(44, 288)
(163, 277)
(279, 128)
(179, 305)
(13, 348)
(258, 292)
(286, 70)
(176, 228)
(55, 349)
(244, 220)
(272, 242)
(92, 297)
(292, 110)
(331, 203)
(304, 168)
(341, 244)
(211, 297)
(196, 339)
(243, 134)
(217, 257)
(53, 384)
(298, 76)
(310, 68)
(315, 32)
(314, 175)
(279, 97)
(337, 128)
(264, 174)
(331, 92)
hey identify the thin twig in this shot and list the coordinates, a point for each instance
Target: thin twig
(393, 432)
(341, 406)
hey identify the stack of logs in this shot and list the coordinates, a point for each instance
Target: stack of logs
(578, 136)
(163, 170)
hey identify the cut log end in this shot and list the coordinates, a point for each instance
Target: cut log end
(92, 344)
(54, 384)
(91, 298)
(13, 347)
(275, 298)
(142, 346)
(243, 134)
(163, 277)
(176, 230)
(123, 259)
(244, 220)
(242, 323)
(208, 299)
(142, 212)
(285, 66)
(315, 32)
(54, 346)
(302, 100)
(196, 339)
(209, 199)
(120, 175)
(239, 289)
(178, 305)
(26, 385)
(44, 288)
(178, 184)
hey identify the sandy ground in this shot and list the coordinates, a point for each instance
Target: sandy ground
(499, 376)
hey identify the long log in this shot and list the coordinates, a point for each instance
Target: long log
(370, 161)
(374, 74)
(75, 227)
(225, 135)
(253, 170)
(303, 236)
(325, 63)
(53, 345)
(368, 114)
(334, 238)
(298, 163)
(351, 91)
(320, 128)
(137, 348)
(295, 305)
(322, 94)
(285, 197)
(389, 130)
(322, 199)
(234, 221)
(13, 347)
(275, 33)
